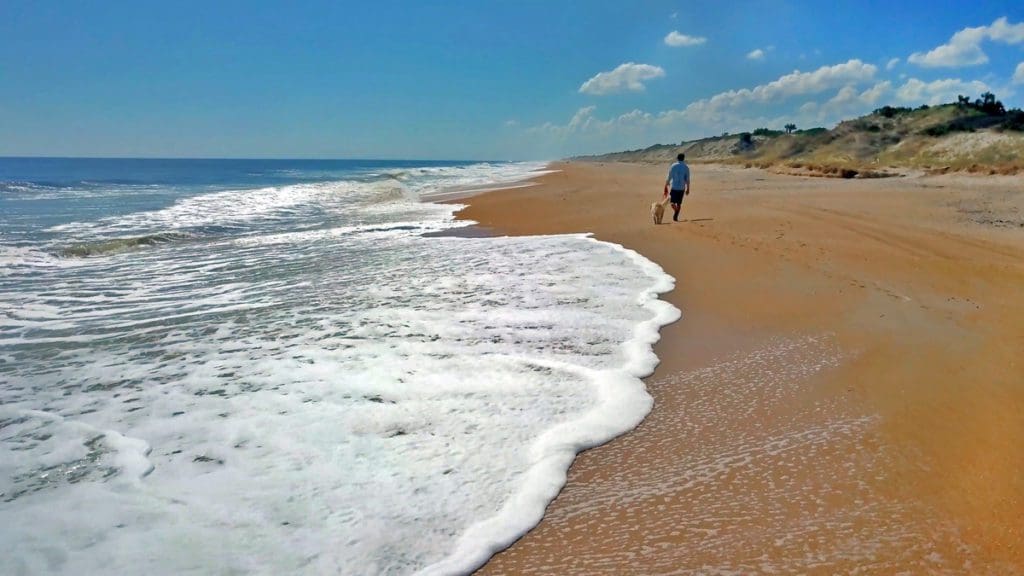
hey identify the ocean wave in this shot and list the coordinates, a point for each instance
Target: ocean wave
(402, 228)
(225, 208)
(116, 245)
(21, 186)
(43, 190)
(14, 256)
(388, 190)
(301, 202)
(444, 383)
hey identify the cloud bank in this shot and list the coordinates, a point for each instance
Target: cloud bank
(740, 109)
(916, 91)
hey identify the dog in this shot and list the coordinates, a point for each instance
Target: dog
(657, 212)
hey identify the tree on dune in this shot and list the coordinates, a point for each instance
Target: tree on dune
(989, 105)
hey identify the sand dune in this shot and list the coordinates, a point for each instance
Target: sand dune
(887, 142)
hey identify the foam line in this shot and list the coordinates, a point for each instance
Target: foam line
(623, 404)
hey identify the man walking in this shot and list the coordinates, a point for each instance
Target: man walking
(679, 179)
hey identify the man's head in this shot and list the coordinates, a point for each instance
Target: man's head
(681, 157)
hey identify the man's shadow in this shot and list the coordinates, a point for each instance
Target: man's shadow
(698, 220)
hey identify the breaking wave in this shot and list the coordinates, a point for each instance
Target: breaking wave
(117, 245)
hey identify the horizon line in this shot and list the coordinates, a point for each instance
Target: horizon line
(296, 158)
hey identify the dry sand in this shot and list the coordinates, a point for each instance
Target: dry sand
(844, 393)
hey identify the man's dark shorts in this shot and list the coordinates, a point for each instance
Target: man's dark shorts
(676, 196)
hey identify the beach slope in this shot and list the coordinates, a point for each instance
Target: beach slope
(845, 390)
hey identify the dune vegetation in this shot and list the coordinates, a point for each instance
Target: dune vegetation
(978, 136)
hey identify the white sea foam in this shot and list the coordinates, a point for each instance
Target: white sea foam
(312, 202)
(23, 256)
(225, 208)
(353, 398)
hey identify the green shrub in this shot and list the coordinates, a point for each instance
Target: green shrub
(987, 104)
(957, 125)
(891, 111)
(1014, 120)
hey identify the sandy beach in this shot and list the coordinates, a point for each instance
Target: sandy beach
(844, 392)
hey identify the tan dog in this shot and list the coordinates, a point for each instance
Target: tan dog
(657, 211)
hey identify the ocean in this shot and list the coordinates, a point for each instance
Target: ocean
(296, 367)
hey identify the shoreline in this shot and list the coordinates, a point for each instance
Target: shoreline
(774, 272)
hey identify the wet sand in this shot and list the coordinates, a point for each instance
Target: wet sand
(844, 392)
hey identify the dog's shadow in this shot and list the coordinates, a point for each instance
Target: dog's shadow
(681, 220)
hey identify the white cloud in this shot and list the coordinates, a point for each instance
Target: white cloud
(584, 122)
(794, 84)
(1018, 75)
(629, 121)
(756, 54)
(915, 91)
(511, 123)
(1001, 30)
(964, 48)
(874, 94)
(582, 118)
(892, 63)
(848, 101)
(628, 76)
(676, 39)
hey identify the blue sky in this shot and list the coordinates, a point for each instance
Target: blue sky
(475, 79)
